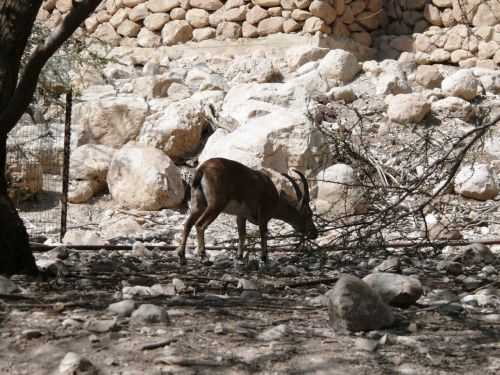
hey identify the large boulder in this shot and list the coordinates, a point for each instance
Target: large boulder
(91, 162)
(298, 56)
(396, 290)
(476, 181)
(132, 185)
(407, 108)
(179, 128)
(339, 65)
(339, 193)
(278, 140)
(89, 166)
(109, 121)
(354, 306)
(245, 102)
(452, 107)
(462, 83)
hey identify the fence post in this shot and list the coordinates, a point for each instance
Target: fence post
(65, 174)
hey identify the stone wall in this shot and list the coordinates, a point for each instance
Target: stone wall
(151, 23)
(466, 46)
(403, 17)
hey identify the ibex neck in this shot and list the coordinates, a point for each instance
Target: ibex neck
(286, 212)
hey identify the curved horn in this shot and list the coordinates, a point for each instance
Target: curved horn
(306, 197)
(295, 187)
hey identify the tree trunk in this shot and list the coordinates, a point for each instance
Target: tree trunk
(16, 92)
(16, 22)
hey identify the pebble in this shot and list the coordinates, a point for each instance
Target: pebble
(149, 313)
(122, 308)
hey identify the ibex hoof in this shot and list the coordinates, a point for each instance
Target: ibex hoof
(182, 257)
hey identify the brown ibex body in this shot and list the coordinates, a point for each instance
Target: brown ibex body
(222, 185)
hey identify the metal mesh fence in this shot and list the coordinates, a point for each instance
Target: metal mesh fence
(35, 158)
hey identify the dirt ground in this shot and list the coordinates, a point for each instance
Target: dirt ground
(278, 325)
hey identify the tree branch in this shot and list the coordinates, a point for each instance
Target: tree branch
(27, 84)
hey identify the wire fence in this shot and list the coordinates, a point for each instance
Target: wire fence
(36, 155)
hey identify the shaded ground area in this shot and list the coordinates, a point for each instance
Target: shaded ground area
(229, 318)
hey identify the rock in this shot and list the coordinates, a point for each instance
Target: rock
(391, 264)
(339, 65)
(256, 14)
(290, 26)
(148, 313)
(276, 140)
(338, 191)
(396, 290)
(441, 229)
(128, 29)
(132, 185)
(477, 253)
(476, 181)
(80, 191)
(203, 34)
(176, 31)
(7, 286)
(270, 25)
(228, 30)
(73, 363)
(428, 76)
(253, 69)
(148, 39)
(31, 334)
(354, 306)
(323, 10)
(388, 76)
(82, 237)
(109, 121)
(206, 4)
(453, 268)
(138, 13)
(453, 107)
(407, 108)
(249, 31)
(298, 56)
(179, 14)
(156, 21)
(91, 162)
(101, 326)
(463, 84)
(314, 25)
(123, 308)
(107, 34)
(275, 333)
(121, 227)
(160, 6)
(178, 131)
(343, 93)
(197, 17)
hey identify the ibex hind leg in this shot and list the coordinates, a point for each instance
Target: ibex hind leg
(198, 206)
(242, 234)
(208, 216)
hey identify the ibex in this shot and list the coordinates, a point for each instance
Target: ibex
(222, 185)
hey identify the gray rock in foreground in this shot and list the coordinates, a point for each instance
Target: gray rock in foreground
(396, 290)
(354, 306)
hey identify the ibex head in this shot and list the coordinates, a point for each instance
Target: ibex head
(303, 222)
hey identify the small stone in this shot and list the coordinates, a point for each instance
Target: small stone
(101, 326)
(274, 333)
(32, 333)
(122, 308)
(148, 313)
(73, 363)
